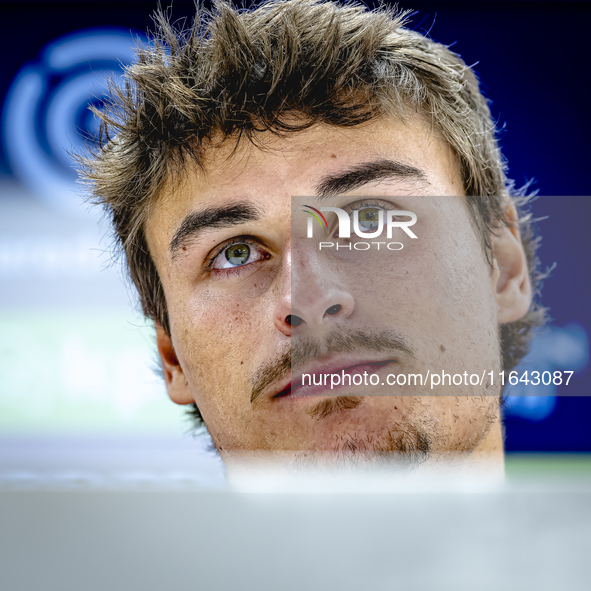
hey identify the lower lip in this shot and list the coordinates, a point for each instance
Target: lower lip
(324, 390)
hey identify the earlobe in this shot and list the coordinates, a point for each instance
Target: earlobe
(510, 278)
(174, 377)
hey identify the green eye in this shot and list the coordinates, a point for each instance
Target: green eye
(369, 218)
(238, 254)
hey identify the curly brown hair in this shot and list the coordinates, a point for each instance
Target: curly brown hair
(236, 73)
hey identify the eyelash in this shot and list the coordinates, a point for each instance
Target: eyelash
(366, 204)
(233, 271)
(359, 205)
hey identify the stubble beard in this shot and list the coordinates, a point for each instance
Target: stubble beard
(403, 447)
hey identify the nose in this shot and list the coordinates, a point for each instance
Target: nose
(313, 299)
(294, 321)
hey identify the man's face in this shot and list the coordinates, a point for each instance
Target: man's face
(247, 295)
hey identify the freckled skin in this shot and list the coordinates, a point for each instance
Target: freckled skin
(438, 292)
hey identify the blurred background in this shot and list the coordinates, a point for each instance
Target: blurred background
(79, 399)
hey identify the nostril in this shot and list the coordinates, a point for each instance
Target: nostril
(293, 320)
(334, 309)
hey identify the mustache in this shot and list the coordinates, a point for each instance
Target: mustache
(303, 350)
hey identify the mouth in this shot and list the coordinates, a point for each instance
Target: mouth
(328, 379)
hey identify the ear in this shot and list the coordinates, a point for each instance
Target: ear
(510, 278)
(174, 378)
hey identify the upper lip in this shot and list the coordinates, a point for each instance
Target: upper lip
(326, 366)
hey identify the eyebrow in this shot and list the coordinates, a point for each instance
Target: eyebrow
(368, 172)
(223, 216)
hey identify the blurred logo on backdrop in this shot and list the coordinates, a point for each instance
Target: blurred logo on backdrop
(555, 348)
(46, 112)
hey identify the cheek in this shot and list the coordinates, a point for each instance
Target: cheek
(214, 327)
(464, 306)
(441, 279)
(437, 291)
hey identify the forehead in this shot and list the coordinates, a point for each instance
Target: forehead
(272, 170)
